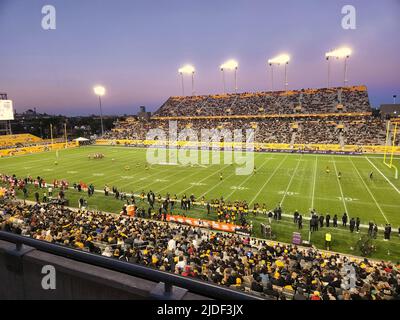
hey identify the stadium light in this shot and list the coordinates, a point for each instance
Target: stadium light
(281, 59)
(187, 69)
(229, 65)
(394, 99)
(100, 91)
(278, 60)
(340, 53)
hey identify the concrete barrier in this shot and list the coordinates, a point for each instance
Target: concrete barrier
(21, 278)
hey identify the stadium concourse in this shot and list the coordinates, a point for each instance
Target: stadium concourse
(313, 119)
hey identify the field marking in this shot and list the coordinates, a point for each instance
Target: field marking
(369, 191)
(314, 182)
(209, 176)
(216, 185)
(238, 188)
(390, 182)
(338, 199)
(290, 182)
(78, 154)
(381, 158)
(340, 188)
(138, 173)
(269, 179)
(198, 184)
(289, 193)
(245, 180)
(71, 164)
(167, 176)
(124, 158)
(184, 178)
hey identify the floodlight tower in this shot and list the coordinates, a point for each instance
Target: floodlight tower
(187, 69)
(229, 65)
(278, 60)
(100, 91)
(343, 52)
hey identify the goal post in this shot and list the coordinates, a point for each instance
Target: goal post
(390, 146)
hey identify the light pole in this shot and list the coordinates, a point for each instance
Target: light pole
(193, 83)
(223, 80)
(345, 71)
(343, 52)
(236, 87)
(100, 91)
(187, 69)
(272, 76)
(394, 99)
(229, 65)
(329, 71)
(286, 80)
(183, 85)
(278, 60)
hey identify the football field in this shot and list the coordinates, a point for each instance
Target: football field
(297, 182)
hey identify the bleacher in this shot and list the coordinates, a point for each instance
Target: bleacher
(327, 116)
(18, 139)
(307, 101)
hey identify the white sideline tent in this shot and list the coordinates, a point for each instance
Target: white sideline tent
(82, 140)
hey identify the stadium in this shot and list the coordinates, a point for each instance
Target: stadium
(289, 194)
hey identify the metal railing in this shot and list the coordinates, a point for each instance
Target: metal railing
(169, 280)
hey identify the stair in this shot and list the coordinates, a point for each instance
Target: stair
(341, 140)
(292, 140)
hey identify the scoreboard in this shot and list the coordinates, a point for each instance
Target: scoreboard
(6, 110)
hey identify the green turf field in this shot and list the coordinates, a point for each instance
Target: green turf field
(296, 181)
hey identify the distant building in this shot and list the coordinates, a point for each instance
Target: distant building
(142, 114)
(390, 110)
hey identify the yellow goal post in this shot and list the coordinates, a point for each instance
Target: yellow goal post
(390, 145)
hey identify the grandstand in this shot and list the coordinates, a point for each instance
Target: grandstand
(328, 116)
(9, 141)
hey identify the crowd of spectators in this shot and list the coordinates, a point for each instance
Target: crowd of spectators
(277, 117)
(281, 271)
(368, 131)
(326, 130)
(318, 132)
(306, 101)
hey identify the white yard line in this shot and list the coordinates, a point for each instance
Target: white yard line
(386, 178)
(209, 176)
(262, 188)
(369, 191)
(290, 182)
(340, 187)
(250, 176)
(184, 178)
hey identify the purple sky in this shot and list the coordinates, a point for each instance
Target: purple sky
(134, 49)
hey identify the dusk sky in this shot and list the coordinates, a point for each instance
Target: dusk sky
(134, 48)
